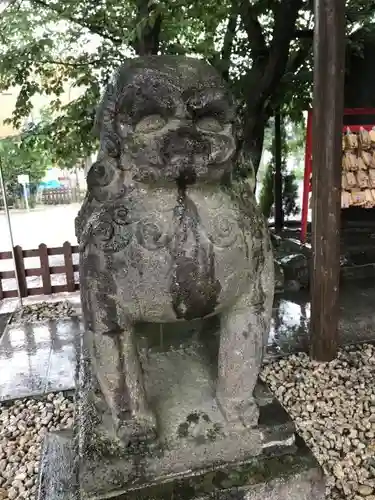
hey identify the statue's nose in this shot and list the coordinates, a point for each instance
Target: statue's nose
(186, 142)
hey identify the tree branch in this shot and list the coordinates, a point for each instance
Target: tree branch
(299, 57)
(9, 4)
(253, 29)
(267, 71)
(295, 62)
(230, 33)
(95, 29)
(73, 64)
(286, 13)
(304, 33)
(148, 40)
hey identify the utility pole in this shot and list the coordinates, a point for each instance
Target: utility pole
(6, 208)
(328, 104)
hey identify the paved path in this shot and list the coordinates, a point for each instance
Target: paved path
(3, 322)
(51, 225)
(38, 358)
(291, 317)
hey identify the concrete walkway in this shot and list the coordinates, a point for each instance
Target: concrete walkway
(4, 318)
(291, 318)
(39, 358)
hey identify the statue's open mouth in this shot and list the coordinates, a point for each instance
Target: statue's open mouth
(186, 176)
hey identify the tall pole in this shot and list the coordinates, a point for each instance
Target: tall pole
(24, 187)
(328, 104)
(6, 208)
(278, 179)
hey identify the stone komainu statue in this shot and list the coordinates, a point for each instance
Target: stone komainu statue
(164, 236)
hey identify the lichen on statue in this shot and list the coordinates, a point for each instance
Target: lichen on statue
(165, 238)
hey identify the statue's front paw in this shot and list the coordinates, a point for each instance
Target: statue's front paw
(249, 414)
(243, 412)
(140, 427)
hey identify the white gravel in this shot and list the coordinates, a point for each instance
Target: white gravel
(43, 311)
(333, 406)
(23, 426)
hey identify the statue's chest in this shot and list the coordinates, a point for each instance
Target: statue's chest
(159, 228)
(189, 230)
(197, 227)
(194, 249)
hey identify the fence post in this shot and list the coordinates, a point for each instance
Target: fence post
(44, 264)
(20, 270)
(69, 270)
(1, 290)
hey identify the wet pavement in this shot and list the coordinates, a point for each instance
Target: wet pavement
(10, 305)
(4, 318)
(291, 317)
(39, 358)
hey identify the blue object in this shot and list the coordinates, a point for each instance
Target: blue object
(50, 185)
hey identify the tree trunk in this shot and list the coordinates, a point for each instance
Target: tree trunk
(148, 41)
(278, 178)
(255, 122)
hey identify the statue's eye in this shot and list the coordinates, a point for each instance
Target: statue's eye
(209, 124)
(150, 124)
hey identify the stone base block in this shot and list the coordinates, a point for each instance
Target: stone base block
(197, 454)
(293, 475)
(284, 468)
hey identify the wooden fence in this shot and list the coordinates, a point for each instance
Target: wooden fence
(45, 271)
(61, 196)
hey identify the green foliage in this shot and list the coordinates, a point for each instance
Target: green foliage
(290, 194)
(289, 191)
(266, 199)
(46, 46)
(299, 172)
(25, 154)
(262, 47)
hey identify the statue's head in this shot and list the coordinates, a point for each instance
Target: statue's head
(165, 119)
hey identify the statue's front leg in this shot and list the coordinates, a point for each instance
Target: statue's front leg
(244, 332)
(113, 353)
(120, 376)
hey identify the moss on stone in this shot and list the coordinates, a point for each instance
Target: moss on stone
(233, 478)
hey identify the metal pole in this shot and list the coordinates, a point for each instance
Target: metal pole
(10, 230)
(26, 197)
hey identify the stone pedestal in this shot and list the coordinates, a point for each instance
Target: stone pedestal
(284, 474)
(202, 458)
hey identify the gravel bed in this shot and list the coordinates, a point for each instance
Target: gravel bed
(43, 311)
(333, 407)
(23, 425)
